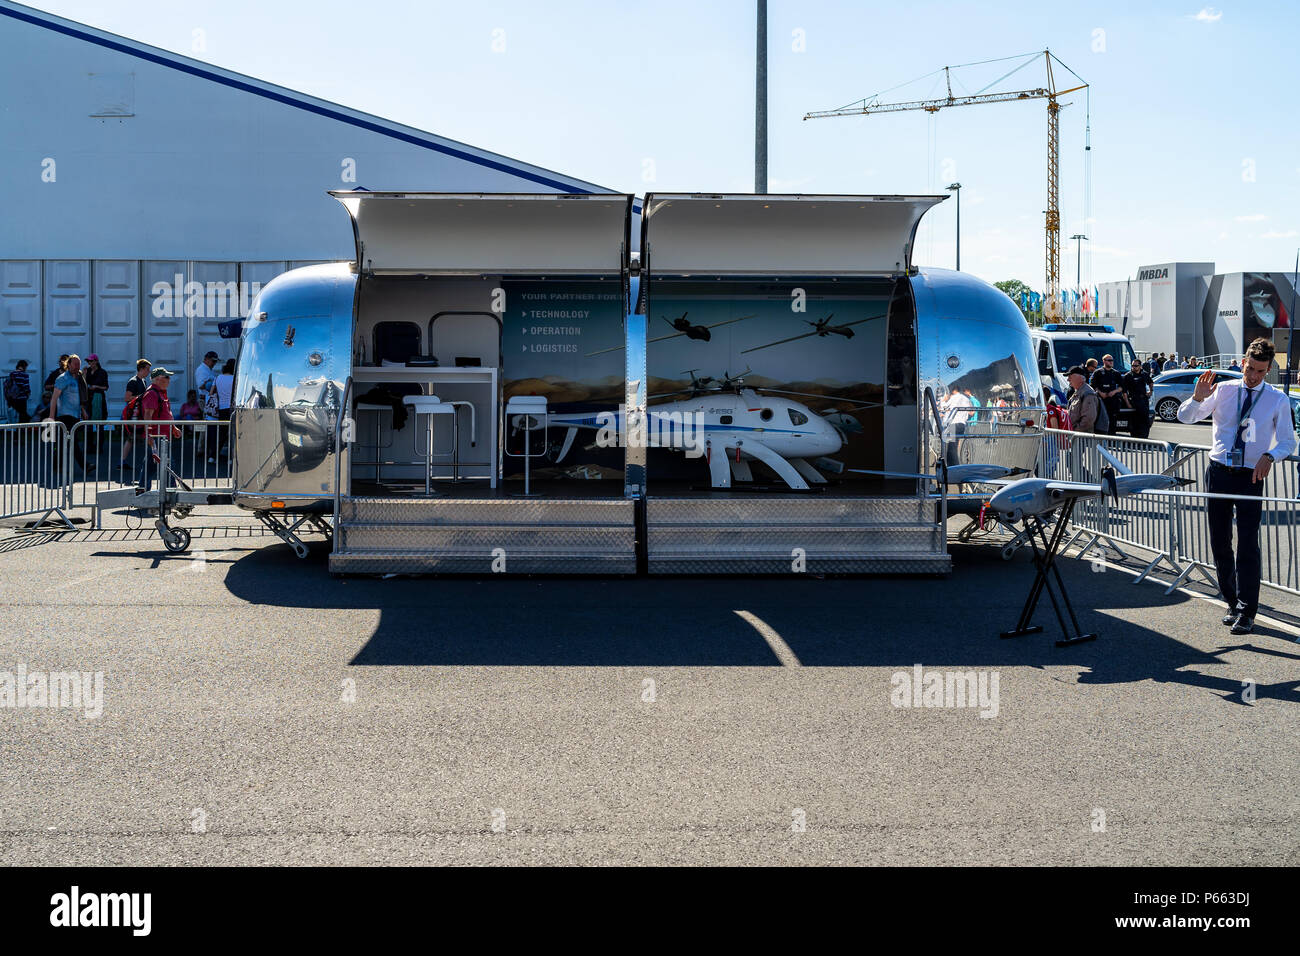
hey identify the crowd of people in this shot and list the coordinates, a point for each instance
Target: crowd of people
(1097, 394)
(75, 392)
(1160, 362)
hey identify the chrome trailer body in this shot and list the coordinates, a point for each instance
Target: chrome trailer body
(295, 357)
(291, 431)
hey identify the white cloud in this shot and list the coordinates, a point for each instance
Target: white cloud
(1223, 235)
(1208, 15)
(1257, 217)
(1274, 234)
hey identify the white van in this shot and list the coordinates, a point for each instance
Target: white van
(1061, 346)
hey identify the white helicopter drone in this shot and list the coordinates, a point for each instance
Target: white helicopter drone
(727, 424)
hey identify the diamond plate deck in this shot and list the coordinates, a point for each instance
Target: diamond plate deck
(937, 564)
(819, 535)
(485, 536)
(801, 511)
(381, 562)
(490, 511)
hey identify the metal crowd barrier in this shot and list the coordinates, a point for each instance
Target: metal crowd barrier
(1278, 526)
(1173, 528)
(33, 471)
(46, 469)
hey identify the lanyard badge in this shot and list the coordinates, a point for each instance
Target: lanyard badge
(1237, 456)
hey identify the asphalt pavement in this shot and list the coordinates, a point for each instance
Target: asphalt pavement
(256, 710)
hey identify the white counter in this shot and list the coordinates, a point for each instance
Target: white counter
(477, 385)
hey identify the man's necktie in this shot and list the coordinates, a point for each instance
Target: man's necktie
(1240, 443)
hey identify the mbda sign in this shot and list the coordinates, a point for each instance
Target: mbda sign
(1144, 274)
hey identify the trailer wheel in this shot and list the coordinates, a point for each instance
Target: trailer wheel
(176, 540)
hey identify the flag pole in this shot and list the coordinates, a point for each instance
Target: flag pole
(1289, 376)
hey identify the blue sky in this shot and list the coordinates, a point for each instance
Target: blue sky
(1195, 123)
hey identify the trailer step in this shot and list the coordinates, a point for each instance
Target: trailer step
(522, 561)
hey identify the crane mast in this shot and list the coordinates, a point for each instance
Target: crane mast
(1052, 304)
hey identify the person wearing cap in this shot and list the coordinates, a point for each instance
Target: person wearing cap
(205, 380)
(155, 406)
(1084, 404)
(1253, 430)
(95, 395)
(206, 374)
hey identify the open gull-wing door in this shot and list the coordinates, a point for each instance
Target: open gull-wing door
(416, 233)
(789, 235)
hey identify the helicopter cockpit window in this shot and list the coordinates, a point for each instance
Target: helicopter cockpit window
(765, 414)
(797, 418)
(725, 420)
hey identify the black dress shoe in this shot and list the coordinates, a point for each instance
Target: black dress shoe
(1244, 625)
(1231, 617)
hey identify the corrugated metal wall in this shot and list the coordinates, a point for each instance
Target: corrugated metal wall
(110, 307)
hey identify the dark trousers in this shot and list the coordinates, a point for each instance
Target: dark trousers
(147, 469)
(69, 421)
(20, 409)
(1139, 421)
(1239, 578)
(1112, 411)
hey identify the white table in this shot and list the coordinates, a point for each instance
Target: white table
(429, 379)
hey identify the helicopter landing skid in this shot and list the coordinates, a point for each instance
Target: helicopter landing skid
(1045, 561)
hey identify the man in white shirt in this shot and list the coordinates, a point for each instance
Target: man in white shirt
(956, 409)
(205, 380)
(1253, 429)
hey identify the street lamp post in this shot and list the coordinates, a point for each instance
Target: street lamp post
(956, 188)
(1078, 238)
(760, 102)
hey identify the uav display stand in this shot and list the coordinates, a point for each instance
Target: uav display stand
(532, 408)
(1046, 562)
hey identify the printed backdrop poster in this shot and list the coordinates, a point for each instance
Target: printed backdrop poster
(824, 350)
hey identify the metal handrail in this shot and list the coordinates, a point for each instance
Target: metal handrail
(345, 409)
(932, 405)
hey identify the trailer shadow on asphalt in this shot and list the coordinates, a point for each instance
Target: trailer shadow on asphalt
(826, 622)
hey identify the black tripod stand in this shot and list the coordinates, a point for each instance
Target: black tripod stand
(1045, 561)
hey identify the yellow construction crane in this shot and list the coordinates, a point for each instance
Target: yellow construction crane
(1052, 304)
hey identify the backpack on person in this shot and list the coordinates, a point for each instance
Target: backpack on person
(13, 391)
(132, 409)
(1102, 424)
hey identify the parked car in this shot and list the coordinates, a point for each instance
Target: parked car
(1171, 389)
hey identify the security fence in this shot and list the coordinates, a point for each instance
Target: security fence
(47, 469)
(1172, 527)
(32, 470)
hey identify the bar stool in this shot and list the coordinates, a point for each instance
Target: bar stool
(532, 409)
(431, 406)
(378, 410)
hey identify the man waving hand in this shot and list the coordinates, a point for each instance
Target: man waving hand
(1253, 430)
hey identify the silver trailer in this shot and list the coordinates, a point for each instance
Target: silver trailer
(406, 394)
